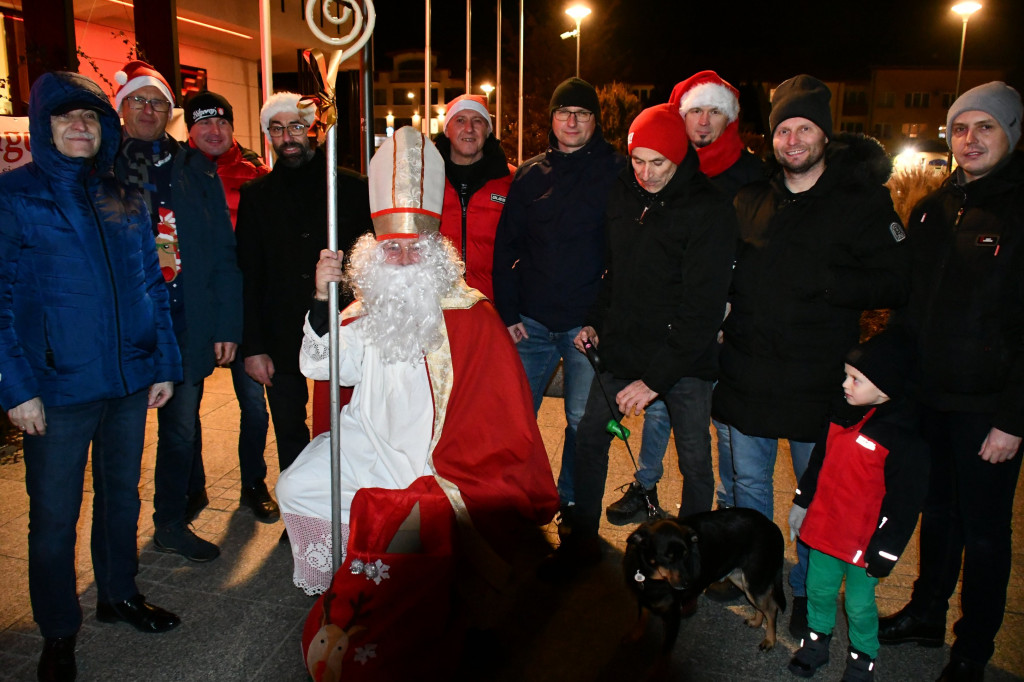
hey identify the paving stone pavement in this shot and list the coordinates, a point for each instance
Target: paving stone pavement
(242, 618)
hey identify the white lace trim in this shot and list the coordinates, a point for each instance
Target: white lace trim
(310, 539)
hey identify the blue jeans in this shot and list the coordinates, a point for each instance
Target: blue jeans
(725, 492)
(252, 427)
(54, 475)
(540, 354)
(689, 409)
(179, 451)
(753, 468)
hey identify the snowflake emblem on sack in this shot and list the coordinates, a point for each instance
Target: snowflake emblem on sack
(365, 653)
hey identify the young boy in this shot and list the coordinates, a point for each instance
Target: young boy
(857, 504)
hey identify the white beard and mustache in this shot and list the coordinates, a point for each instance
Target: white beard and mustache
(403, 318)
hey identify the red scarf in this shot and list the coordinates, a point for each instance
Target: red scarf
(721, 154)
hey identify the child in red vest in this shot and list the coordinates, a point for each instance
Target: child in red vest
(857, 504)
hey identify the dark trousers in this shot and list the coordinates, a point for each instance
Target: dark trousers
(288, 398)
(689, 410)
(179, 452)
(54, 477)
(967, 518)
(253, 424)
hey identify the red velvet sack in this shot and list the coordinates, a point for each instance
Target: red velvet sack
(387, 614)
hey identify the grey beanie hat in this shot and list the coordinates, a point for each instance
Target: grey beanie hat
(998, 100)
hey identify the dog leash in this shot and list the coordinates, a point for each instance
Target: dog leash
(614, 426)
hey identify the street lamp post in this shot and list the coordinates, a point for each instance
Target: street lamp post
(577, 12)
(488, 89)
(965, 10)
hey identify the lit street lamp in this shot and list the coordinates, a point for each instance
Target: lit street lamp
(577, 12)
(965, 10)
(488, 89)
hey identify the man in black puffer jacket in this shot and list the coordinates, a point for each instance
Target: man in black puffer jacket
(671, 239)
(819, 243)
(966, 312)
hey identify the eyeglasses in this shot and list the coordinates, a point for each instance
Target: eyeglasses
(294, 129)
(161, 106)
(582, 116)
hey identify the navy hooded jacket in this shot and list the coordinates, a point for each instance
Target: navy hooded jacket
(83, 305)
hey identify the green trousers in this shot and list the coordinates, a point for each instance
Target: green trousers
(824, 578)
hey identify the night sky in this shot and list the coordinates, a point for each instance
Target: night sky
(664, 41)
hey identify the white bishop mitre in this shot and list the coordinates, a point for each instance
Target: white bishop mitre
(406, 186)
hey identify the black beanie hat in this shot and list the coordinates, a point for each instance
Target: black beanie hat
(575, 92)
(887, 360)
(207, 105)
(805, 97)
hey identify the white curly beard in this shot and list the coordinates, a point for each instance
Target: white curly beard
(403, 319)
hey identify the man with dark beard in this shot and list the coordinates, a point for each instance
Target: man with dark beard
(819, 243)
(282, 226)
(438, 389)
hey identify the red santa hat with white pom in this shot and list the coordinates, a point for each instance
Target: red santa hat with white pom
(707, 89)
(138, 74)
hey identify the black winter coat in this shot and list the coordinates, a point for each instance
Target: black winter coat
(282, 226)
(747, 169)
(552, 233)
(669, 262)
(807, 265)
(967, 304)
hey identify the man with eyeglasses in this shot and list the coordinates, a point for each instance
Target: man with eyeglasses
(549, 257)
(282, 226)
(210, 119)
(197, 256)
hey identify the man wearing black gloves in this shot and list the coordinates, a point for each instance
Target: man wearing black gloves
(671, 238)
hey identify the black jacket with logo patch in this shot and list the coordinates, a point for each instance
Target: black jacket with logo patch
(807, 265)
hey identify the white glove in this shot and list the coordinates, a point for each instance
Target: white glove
(796, 519)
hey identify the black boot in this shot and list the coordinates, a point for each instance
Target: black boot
(904, 626)
(859, 667)
(257, 498)
(632, 507)
(57, 663)
(962, 670)
(812, 654)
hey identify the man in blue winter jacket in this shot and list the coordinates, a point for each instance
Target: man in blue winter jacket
(549, 256)
(86, 346)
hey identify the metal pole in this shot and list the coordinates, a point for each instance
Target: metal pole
(520, 125)
(469, 40)
(577, 48)
(368, 132)
(425, 123)
(960, 66)
(497, 84)
(267, 64)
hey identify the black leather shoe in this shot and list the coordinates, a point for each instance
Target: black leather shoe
(57, 663)
(258, 498)
(962, 670)
(903, 626)
(197, 502)
(141, 615)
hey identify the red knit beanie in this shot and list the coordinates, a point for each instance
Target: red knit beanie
(662, 129)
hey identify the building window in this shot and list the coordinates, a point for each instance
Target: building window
(917, 100)
(853, 127)
(914, 129)
(887, 100)
(947, 100)
(883, 131)
(380, 97)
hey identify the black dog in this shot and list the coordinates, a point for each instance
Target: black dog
(669, 562)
